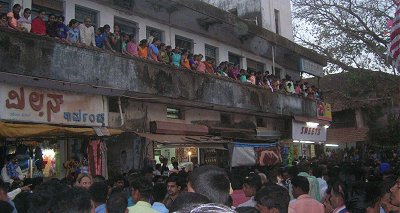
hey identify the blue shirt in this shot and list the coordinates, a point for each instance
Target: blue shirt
(73, 35)
(131, 202)
(100, 40)
(62, 30)
(160, 207)
(153, 48)
(100, 209)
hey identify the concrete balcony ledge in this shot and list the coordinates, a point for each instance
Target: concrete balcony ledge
(33, 56)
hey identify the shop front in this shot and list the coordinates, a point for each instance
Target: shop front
(54, 133)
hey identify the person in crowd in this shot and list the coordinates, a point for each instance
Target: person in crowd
(154, 52)
(62, 29)
(304, 202)
(210, 181)
(117, 203)
(143, 49)
(185, 61)
(13, 17)
(132, 47)
(337, 197)
(192, 61)
(243, 76)
(98, 193)
(365, 198)
(234, 71)
(4, 197)
(314, 184)
(99, 178)
(100, 37)
(209, 63)
(11, 172)
(164, 167)
(168, 49)
(200, 66)
(164, 56)
(38, 24)
(175, 169)
(173, 189)
(317, 171)
(75, 200)
(176, 57)
(86, 33)
(395, 194)
(141, 192)
(117, 33)
(46, 195)
(73, 33)
(151, 38)
(121, 43)
(186, 201)
(3, 20)
(109, 39)
(159, 193)
(51, 26)
(25, 21)
(251, 184)
(252, 78)
(272, 198)
(385, 201)
(84, 181)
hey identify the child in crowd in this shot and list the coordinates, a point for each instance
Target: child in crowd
(25, 21)
(73, 33)
(131, 46)
(176, 57)
(164, 56)
(142, 49)
(185, 61)
(200, 66)
(252, 78)
(3, 20)
(62, 29)
(99, 37)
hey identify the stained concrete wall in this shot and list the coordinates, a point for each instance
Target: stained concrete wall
(29, 55)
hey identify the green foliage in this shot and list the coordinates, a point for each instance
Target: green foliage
(390, 135)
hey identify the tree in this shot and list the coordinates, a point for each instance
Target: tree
(352, 34)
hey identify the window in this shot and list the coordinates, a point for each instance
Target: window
(226, 119)
(260, 122)
(174, 113)
(277, 72)
(82, 12)
(154, 32)
(255, 66)
(211, 52)
(36, 8)
(184, 43)
(128, 27)
(277, 22)
(234, 59)
(6, 6)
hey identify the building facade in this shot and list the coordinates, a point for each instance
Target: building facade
(161, 110)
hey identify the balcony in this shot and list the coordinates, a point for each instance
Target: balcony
(43, 62)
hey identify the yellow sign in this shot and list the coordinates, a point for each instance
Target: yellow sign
(324, 111)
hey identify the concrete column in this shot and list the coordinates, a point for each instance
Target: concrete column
(142, 31)
(23, 3)
(359, 119)
(69, 11)
(243, 62)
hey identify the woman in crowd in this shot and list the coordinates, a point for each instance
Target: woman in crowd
(84, 181)
(73, 33)
(131, 46)
(25, 21)
(142, 49)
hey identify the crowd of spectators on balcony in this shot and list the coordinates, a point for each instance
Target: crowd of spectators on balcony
(84, 34)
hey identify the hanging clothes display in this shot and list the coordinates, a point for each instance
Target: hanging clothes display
(96, 151)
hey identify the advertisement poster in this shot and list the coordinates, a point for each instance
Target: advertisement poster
(324, 111)
(256, 154)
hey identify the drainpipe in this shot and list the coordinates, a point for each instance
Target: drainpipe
(120, 111)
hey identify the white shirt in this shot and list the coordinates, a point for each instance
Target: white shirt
(249, 203)
(87, 35)
(11, 195)
(7, 179)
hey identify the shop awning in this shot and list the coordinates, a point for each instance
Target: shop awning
(9, 130)
(206, 141)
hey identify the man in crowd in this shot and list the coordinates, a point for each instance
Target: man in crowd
(86, 32)
(251, 184)
(4, 197)
(304, 202)
(51, 26)
(117, 203)
(142, 194)
(212, 182)
(38, 24)
(98, 193)
(75, 200)
(11, 172)
(272, 199)
(159, 192)
(173, 189)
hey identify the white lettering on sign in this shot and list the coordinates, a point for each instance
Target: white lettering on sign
(302, 132)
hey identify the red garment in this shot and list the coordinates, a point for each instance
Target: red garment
(238, 197)
(38, 26)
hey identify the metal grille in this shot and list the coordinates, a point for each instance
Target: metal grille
(81, 13)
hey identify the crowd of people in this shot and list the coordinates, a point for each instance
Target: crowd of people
(84, 34)
(338, 182)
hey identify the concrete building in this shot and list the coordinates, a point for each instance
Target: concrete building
(161, 110)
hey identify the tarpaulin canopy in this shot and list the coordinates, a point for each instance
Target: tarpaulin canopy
(9, 130)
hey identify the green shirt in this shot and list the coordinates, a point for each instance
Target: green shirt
(141, 207)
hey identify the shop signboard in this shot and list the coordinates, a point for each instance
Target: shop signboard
(246, 154)
(311, 68)
(303, 132)
(324, 111)
(39, 105)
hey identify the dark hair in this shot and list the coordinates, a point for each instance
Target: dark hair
(155, 40)
(15, 6)
(3, 188)
(45, 196)
(122, 35)
(246, 209)
(253, 180)
(106, 27)
(11, 157)
(144, 187)
(72, 22)
(27, 10)
(98, 192)
(274, 196)
(6, 207)
(337, 188)
(144, 41)
(302, 183)
(173, 178)
(131, 37)
(159, 192)
(41, 11)
(212, 182)
(99, 178)
(187, 201)
(117, 203)
(365, 195)
(317, 171)
(75, 200)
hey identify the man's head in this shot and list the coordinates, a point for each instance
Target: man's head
(52, 18)
(12, 158)
(187, 201)
(107, 28)
(88, 22)
(395, 194)
(300, 186)
(42, 15)
(210, 181)
(75, 200)
(251, 184)
(17, 8)
(141, 190)
(98, 192)
(45, 196)
(119, 181)
(117, 203)
(337, 194)
(173, 186)
(272, 199)
(159, 192)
